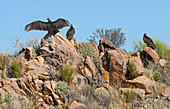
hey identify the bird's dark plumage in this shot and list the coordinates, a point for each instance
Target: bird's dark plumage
(148, 41)
(70, 33)
(51, 27)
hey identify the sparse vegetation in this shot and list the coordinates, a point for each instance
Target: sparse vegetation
(156, 76)
(130, 96)
(6, 100)
(17, 68)
(114, 35)
(162, 48)
(67, 73)
(63, 87)
(132, 70)
(33, 42)
(4, 64)
(86, 49)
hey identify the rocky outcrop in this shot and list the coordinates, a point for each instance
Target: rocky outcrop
(143, 82)
(59, 50)
(40, 86)
(149, 55)
(137, 62)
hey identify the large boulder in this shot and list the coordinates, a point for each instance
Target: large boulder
(59, 50)
(145, 83)
(135, 60)
(149, 55)
(116, 65)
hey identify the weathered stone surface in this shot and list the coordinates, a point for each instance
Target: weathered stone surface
(5, 106)
(40, 59)
(79, 81)
(88, 73)
(33, 67)
(60, 49)
(38, 85)
(140, 92)
(166, 92)
(116, 65)
(101, 91)
(47, 90)
(105, 76)
(107, 44)
(162, 62)
(143, 82)
(27, 53)
(136, 60)
(90, 64)
(148, 54)
(76, 105)
(74, 42)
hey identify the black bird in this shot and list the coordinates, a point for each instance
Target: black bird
(148, 41)
(51, 27)
(70, 33)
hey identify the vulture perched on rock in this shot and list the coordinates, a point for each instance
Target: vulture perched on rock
(51, 27)
(148, 41)
(70, 33)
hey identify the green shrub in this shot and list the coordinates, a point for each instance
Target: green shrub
(156, 76)
(67, 73)
(86, 49)
(132, 70)
(1, 99)
(130, 96)
(162, 48)
(6, 100)
(97, 61)
(63, 87)
(16, 67)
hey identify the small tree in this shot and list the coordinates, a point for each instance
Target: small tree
(114, 35)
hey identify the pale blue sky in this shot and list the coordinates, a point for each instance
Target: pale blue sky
(135, 17)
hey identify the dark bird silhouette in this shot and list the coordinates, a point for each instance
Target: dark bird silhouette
(51, 27)
(148, 41)
(70, 33)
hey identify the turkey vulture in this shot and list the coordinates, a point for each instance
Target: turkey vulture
(51, 27)
(148, 41)
(70, 33)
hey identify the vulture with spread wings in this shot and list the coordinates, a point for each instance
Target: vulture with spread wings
(70, 32)
(51, 27)
(148, 41)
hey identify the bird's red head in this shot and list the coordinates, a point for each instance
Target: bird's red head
(48, 18)
(144, 33)
(71, 24)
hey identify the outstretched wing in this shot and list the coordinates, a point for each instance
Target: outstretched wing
(37, 25)
(60, 23)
